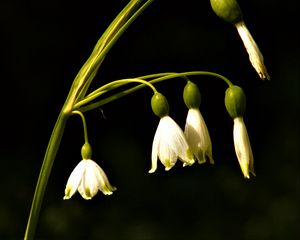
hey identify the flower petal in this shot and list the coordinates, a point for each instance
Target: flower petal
(103, 183)
(94, 179)
(166, 155)
(242, 147)
(155, 145)
(74, 179)
(174, 137)
(255, 56)
(169, 144)
(197, 136)
(91, 181)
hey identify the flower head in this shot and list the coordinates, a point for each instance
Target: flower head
(230, 11)
(88, 177)
(235, 102)
(169, 144)
(242, 147)
(195, 128)
(197, 136)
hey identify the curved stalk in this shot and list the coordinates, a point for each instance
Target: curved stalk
(77, 91)
(45, 171)
(164, 77)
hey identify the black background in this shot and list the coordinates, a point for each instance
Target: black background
(44, 44)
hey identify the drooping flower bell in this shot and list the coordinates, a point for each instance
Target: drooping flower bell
(195, 130)
(169, 142)
(87, 177)
(229, 10)
(235, 102)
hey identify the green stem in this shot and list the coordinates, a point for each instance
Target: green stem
(111, 86)
(113, 33)
(85, 132)
(164, 77)
(45, 171)
(77, 91)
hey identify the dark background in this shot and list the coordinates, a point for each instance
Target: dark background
(44, 44)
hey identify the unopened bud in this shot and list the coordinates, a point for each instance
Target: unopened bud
(191, 95)
(235, 101)
(159, 105)
(86, 151)
(228, 10)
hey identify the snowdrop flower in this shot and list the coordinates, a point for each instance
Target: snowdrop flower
(197, 136)
(230, 11)
(235, 102)
(87, 177)
(169, 142)
(195, 129)
(242, 147)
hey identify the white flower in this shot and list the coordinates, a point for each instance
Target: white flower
(255, 56)
(88, 178)
(197, 136)
(242, 147)
(169, 144)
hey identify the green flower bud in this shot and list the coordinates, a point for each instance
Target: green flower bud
(228, 10)
(191, 95)
(235, 101)
(159, 105)
(86, 151)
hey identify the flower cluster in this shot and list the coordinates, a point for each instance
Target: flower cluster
(171, 142)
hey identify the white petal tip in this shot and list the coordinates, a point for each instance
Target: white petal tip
(108, 193)
(87, 198)
(190, 163)
(211, 160)
(248, 175)
(200, 161)
(264, 76)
